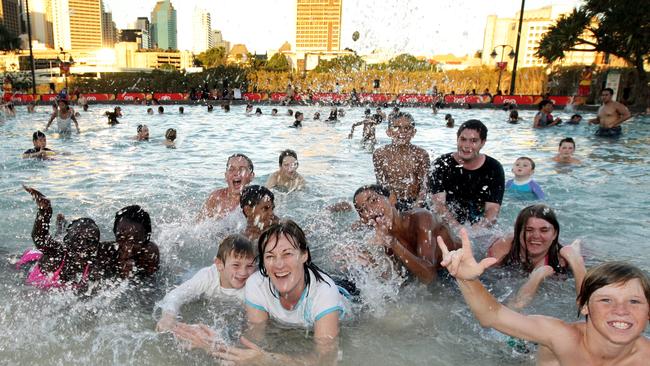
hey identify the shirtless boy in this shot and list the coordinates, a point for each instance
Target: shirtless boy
(565, 152)
(239, 173)
(257, 203)
(614, 300)
(402, 166)
(409, 237)
(369, 122)
(610, 115)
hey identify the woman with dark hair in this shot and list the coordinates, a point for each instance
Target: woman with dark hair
(290, 289)
(535, 248)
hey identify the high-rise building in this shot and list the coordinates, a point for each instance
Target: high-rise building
(202, 31)
(40, 16)
(10, 16)
(109, 31)
(85, 24)
(143, 25)
(536, 22)
(163, 26)
(218, 41)
(318, 25)
(60, 18)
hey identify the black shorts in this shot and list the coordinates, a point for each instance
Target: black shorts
(609, 132)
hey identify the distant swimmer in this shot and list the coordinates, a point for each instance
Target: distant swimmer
(64, 117)
(257, 203)
(142, 133)
(316, 116)
(449, 120)
(298, 122)
(274, 112)
(40, 149)
(565, 152)
(112, 116)
(239, 173)
(610, 115)
(170, 138)
(258, 112)
(409, 237)
(369, 122)
(544, 118)
(150, 111)
(161, 109)
(249, 108)
(287, 177)
(513, 117)
(575, 119)
(334, 115)
(401, 166)
(181, 110)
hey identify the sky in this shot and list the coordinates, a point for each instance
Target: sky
(419, 27)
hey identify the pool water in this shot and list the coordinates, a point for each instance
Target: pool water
(603, 201)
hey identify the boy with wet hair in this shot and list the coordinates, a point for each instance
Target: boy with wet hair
(298, 122)
(522, 185)
(369, 122)
(239, 173)
(170, 138)
(565, 152)
(287, 176)
(614, 299)
(226, 277)
(40, 149)
(257, 203)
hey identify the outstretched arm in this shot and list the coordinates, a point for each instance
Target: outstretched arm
(529, 289)
(74, 119)
(41, 230)
(571, 254)
(352, 130)
(52, 117)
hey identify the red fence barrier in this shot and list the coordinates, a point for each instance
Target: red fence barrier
(170, 96)
(131, 96)
(469, 99)
(98, 97)
(24, 98)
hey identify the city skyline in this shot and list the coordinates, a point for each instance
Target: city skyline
(424, 27)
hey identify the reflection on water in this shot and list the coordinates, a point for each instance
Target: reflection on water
(603, 201)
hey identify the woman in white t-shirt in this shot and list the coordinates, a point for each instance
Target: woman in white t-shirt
(292, 290)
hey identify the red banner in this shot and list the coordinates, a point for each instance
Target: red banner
(329, 97)
(48, 97)
(375, 98)
(170, 96)
(24, 98)
(415, 98)
(278, 97)
(560, 100)
(466, 99)
(253, 97)
(514, 99)
(131, 96)
(98, 97)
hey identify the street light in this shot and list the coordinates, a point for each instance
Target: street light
(501, 64)
(64, 66)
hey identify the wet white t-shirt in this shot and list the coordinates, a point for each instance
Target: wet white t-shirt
(317, 300)
(204, 283)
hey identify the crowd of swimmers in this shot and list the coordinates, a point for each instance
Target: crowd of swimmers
(422, 214)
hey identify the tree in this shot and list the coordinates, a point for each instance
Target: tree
(620, 28)
(406, 62)
(213, 57)
(8, 40)
(278, 62)
(346, 64)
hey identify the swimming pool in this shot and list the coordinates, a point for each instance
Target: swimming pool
(604, 201)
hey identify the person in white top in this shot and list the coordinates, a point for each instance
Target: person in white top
(290, 289)
(64, 118)
(234, 263)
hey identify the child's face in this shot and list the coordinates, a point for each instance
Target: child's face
(235, 271)
(566, 149)
(522, 168)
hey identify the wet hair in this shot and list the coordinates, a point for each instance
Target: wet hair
(181, 109)
(286, 153)
(252, 195)
(298, 114)
(476, 125)
(149, 110)
(367, 112)
(37, 135)
(290, 112)
(543, 103)
(519, 250)
(170, 134)
(238, 155)
(316, 115)
(370, 187)
(296, 237)
(141, 127)
(90, 228)
(274, 110)
(401, 115)
(514, 114)
(161, 109)
(532, 163)
(258, 110)
(567, 139)
(610, 90)
(447, 116)
(235, 245)
(82, 236)
(134, 214)
(576, 116)
(226, 107)
(610, 273)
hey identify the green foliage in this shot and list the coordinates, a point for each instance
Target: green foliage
(213, 57)
(278, 62)
(345, 64)
(8, 40)
(167, 67)
(406, 62)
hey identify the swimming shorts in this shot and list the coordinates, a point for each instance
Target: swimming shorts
(609, 132)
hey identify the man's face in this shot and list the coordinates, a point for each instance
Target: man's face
(238, 174)
(566, 149)
(289, 166)
(469, 144)
(235, 271)
(40, 143)
(374, 209)
(618, 312)
(606, 96)
(401, 131)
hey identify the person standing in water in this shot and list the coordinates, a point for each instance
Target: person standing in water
(64, 117)
(610, 115)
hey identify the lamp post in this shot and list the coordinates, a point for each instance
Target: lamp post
(501, 64)
(514, 64)
(31, 52)
(64, 66)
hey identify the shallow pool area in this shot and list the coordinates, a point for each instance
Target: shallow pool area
(604, 201)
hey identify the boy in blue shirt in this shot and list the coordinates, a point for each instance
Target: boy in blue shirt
(523, 186)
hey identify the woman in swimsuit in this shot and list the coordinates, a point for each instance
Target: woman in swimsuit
(534, 247)
(64, 118)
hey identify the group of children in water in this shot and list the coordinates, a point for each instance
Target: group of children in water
(268, 267)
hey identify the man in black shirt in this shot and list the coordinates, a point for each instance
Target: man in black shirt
(39, 151)
(466, 185)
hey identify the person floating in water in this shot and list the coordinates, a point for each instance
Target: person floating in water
(239, 173)
(613, 298)
(287, 177)
(150, 111)
(64, 117)
(610, 115)
(408, 236)
(258, 112)
(170, 138)
(575, 119)
(401, 166)
(523, 185)
(298, 122)
(226, 278)
(112, 116)
(369, 122)
(142, 133)
(565, 152)
(161, 109)
(544, 118)
(257, 203)
(513, 117)
(449, 120)
(61, 264)
(40, 149)
(181, 110)
(334, 115)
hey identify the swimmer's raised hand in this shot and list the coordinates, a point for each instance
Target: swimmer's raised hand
(461, 263)
(41, 201)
